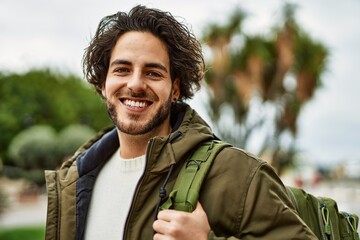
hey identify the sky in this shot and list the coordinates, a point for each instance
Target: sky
(54, 33)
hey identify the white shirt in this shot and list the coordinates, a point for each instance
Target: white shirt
(112, 196)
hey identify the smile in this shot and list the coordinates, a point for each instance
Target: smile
(135, 104)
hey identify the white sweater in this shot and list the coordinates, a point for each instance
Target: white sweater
(112, 196)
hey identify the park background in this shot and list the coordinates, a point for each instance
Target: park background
(42, 34)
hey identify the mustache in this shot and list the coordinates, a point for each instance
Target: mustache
(128, 93)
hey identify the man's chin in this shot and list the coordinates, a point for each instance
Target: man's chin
(133, 129)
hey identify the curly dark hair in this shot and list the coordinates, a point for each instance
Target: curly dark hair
(185, 54)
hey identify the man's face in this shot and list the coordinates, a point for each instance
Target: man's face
(138, 87)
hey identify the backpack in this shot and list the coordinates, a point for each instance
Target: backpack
(320, 214)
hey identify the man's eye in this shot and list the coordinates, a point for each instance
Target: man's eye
(121, 70)
(153, 74)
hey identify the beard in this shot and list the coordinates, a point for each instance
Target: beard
(135, 127)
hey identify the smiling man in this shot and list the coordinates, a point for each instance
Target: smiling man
(144, 64)
(139, 90)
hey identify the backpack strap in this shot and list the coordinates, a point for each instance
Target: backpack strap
(186, 190)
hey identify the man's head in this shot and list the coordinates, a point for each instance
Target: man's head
(138, 87)
(185, 55)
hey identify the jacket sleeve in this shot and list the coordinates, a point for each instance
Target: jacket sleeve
(212, 236)
(268, 212)
(52, 213)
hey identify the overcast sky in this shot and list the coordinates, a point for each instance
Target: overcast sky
(37, 33)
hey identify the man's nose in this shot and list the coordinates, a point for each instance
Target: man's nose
(136, 82)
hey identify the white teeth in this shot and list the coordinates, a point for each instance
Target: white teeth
(136, 104)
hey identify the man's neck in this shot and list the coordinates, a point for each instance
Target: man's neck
(132, 146)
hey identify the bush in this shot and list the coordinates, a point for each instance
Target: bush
(72, 137)
(36, 176)
(23, 233)
(4, 201)
(34, 148)
(40, 147)
(46, 96)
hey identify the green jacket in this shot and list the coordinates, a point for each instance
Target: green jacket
(242, 195)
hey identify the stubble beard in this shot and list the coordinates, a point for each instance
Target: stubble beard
(134, 128)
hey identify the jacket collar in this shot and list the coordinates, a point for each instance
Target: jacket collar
(98, 153)
(165, 151)
(189, 129)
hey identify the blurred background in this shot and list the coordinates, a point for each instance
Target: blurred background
(281, 82)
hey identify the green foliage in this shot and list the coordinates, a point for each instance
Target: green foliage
(72, 137)
(215, 32)
(4, 201)
(311, 56)
(253, 46)
(23, 233)
(35, 176)
(46, 97)
(39, 147)
(34, 148)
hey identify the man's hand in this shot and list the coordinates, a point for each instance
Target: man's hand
(172, 224)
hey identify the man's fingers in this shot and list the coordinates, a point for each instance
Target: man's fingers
(198, 208)
(172, 224)
(168, 214)
(160, 226)
(167, 228)
(171, 221)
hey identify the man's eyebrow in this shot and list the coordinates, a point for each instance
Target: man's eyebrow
(120, 61)
(147, 65)
(156, 65)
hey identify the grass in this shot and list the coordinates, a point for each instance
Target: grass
(23, 233)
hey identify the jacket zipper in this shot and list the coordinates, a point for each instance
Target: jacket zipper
(59, 204)
(322, 226)
(148, 149)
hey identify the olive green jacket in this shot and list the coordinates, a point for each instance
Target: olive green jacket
(242, 196)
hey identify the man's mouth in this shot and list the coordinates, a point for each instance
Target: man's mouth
(135, 104)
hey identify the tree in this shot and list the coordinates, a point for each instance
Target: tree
(262, 82)
(46, 97)
(40, 147)
(71, 138)
(32, 151)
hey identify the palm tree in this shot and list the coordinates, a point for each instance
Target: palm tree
(246, 69)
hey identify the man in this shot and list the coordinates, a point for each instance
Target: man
(144, 64)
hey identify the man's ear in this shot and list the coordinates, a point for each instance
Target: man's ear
(175, 90)
(103, 93)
